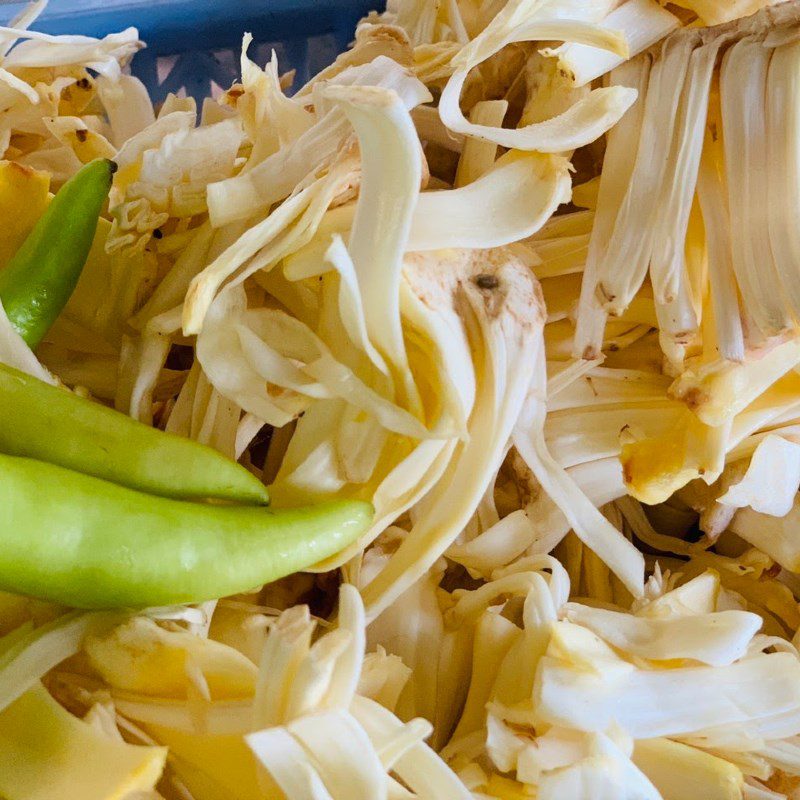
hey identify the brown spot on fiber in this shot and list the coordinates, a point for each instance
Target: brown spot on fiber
(487, 281)
(771, 572)
(695, 398)
(604, 295)
(627, 472)
(590, 353)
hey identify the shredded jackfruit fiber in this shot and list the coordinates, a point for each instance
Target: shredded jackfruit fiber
(579, 426)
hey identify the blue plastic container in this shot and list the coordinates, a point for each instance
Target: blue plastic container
(192, 44)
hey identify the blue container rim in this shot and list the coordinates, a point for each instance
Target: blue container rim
(175, 26)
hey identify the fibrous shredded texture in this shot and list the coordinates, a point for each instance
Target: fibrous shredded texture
(525, 276)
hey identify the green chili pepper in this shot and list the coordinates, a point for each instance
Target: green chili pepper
(50, 424)
(40, 278)
(77, 540)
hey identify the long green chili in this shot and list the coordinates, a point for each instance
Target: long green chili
(77, 540)
(40, 278)
(51, 424)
